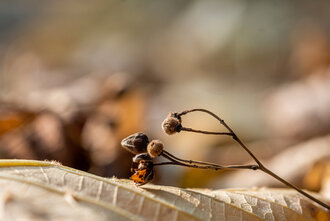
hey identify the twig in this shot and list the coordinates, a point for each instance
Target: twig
(234, 136)
(231, 132)
(216, 166)
(205, 165)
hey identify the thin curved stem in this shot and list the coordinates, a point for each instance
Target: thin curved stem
(188, 161)
(203, 165)
(177, 159)
(260, 165)
(231, 132)
(204, 132)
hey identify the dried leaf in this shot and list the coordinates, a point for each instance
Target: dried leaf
(36, 190)
(317, 176)
(13, 117)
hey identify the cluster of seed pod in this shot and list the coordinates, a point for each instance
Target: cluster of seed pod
(144, 151)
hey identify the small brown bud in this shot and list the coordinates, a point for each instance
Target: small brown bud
(171, 124)
(155, 148)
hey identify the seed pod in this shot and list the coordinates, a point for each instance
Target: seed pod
(142, 157)
(155, 148)
(172, 124)
(144, 173)
(136, 143)
(142, 176)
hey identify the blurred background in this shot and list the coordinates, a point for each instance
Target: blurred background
(75, 79)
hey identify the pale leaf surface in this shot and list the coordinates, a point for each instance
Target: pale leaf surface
(36, 190)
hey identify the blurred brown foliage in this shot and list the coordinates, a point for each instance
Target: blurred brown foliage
(88, 138)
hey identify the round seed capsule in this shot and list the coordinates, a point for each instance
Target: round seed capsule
(155, 148)
(171, 124)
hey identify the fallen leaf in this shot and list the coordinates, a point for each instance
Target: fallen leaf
(40, 190)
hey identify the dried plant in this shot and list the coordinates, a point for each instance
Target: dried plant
(146, 151)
